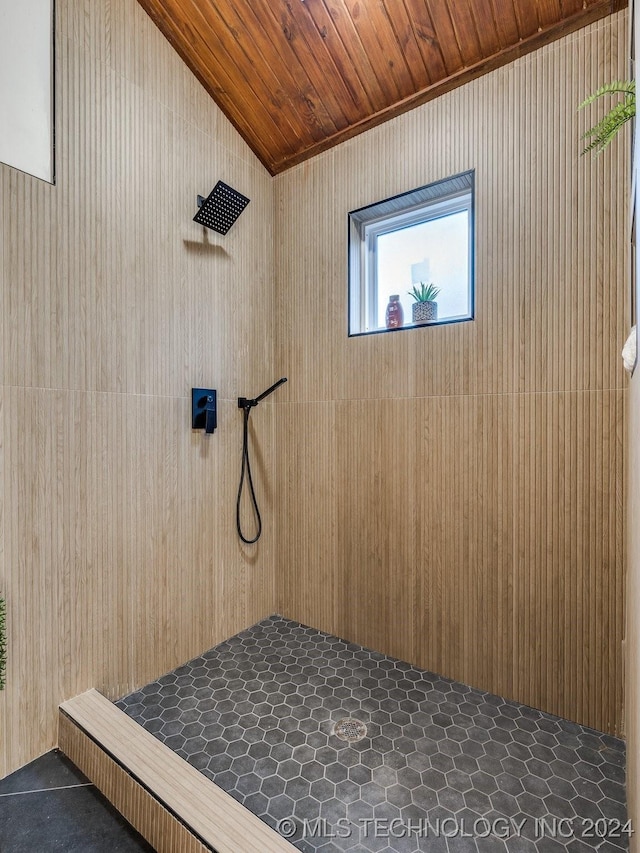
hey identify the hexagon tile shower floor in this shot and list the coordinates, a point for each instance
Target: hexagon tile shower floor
(442, 767)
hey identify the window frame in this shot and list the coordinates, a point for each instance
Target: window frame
(405, 210)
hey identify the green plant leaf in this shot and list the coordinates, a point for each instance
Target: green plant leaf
(624, 87)
(605, 130)
(425, 293)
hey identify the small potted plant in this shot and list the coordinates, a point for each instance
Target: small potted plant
(425, 307)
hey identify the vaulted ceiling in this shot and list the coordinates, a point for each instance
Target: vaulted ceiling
(296, 77)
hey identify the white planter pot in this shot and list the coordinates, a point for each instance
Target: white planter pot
(424, 312)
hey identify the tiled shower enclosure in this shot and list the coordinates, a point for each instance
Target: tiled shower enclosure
(428, 764)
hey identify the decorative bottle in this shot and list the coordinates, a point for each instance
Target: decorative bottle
(395, 315)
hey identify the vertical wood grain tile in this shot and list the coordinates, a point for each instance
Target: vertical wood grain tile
(121, 557)
(490, 452)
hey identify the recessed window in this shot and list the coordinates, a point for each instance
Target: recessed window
(414, 249)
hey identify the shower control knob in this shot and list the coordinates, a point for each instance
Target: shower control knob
(204, 411)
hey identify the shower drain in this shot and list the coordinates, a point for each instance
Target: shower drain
(350, 729)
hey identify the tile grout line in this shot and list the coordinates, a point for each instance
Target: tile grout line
(44, 790)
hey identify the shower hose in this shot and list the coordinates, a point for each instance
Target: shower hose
(246, 406)
(246, 470)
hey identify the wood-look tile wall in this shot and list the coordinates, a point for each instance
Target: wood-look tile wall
(632, 635)
(450, 495)
(454, 495)
(118, 552)
(632, 638)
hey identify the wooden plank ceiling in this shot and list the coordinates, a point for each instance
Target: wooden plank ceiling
(296, 77)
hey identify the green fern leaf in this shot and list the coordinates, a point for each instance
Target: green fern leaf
(624, 87)
(601, 134)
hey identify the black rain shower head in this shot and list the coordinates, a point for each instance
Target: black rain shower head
(221, 208)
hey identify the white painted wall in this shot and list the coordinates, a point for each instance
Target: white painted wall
(26, 86)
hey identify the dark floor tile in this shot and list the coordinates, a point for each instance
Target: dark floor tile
(67, 820)
(52, 770)
(262, 706)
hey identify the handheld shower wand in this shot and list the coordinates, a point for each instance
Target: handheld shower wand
(246, 405)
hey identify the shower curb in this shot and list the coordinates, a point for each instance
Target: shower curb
(173, 806)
